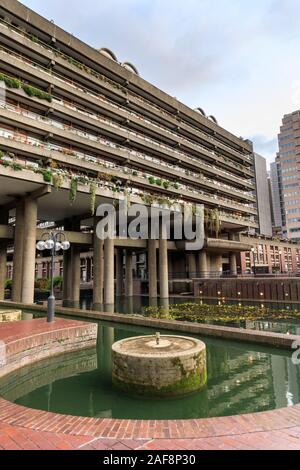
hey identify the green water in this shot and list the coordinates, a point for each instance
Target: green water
(241, 379)
(137, 304)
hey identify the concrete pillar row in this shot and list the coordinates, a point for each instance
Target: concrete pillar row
(18, 253)
(203, 264)
(98, 261)
(109, 278)
(119, 272)
(163, 263)
(152, 269)
(128, 274)
(29, 250)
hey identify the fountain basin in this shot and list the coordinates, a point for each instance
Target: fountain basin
(10, 315)
(174, 366)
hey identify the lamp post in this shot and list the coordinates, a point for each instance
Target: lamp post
(53, 241)
(254, 265)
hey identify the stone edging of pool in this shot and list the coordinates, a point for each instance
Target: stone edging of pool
(276, 340)
(63, 431)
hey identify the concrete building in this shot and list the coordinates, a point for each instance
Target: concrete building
(276, 191)
(285, 178)
(78, 128)
(262, 196)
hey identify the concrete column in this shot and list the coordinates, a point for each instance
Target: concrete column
(119, 272)
(75, 287)
(29, 250)
(203, 265)
(18, 253)
(233, 266)
(152, 269)
(129, 274)
(3, 260)
(109, 281)
(170, 269)
(98, 277)
(192, 265)
(163, 264)
(67, 275)
(218, 265)
(3, 255)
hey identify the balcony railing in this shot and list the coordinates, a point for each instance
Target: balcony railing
(174, 205)
(94, 138)
(103, 78)
(100, 76)
(193, 192)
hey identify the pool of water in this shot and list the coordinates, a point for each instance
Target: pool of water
(241, 379)
(137, 305)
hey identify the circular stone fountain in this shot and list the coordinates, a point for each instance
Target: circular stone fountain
(159, 366)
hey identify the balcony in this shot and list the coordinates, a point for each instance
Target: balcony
(49, 126)
(67, 62)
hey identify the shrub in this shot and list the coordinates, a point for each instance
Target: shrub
(16, 167)
(41, 283)
(35, 92)
(47, 175)
(8, 284)
(9, 81)
(57, 282)
(151, 180)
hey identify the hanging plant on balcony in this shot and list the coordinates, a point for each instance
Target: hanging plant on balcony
(93, 188)
(47, 175)
(57, 180)
(148, 199)
(73, 189)
(9, 81)
(217, 223)
(127, 198)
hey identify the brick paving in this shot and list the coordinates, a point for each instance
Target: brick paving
(25, 428)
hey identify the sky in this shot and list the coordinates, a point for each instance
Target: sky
(236, 59)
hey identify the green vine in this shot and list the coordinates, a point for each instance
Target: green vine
(93, 188)
(73, 189)
(57, 180)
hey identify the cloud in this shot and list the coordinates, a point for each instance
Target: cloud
(237, 59)
(264, 146)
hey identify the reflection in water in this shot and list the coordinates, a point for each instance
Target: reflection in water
(241, 379)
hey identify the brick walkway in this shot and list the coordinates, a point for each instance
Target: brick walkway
(25, 428)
